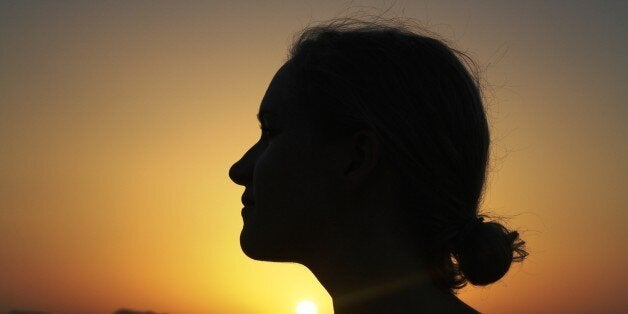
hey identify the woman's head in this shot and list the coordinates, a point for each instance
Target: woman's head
(413, 104)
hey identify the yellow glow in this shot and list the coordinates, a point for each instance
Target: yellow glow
(119, 122)
(306, 307)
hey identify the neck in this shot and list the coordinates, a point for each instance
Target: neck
(382, 296)
(383, 275)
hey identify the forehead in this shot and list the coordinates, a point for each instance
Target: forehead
(280, 98)
(282, 104)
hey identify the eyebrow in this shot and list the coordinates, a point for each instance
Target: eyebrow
(262, 114)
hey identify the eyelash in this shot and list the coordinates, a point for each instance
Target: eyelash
(267, 132)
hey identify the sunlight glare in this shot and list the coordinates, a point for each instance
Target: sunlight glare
(306, 307)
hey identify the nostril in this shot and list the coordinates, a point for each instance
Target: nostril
(233, 173)
(241, 172)
(238, 174)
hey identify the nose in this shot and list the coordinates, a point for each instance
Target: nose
(241, 172)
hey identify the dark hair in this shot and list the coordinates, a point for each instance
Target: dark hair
(418, 97)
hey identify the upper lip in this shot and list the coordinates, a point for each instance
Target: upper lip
(246, 200)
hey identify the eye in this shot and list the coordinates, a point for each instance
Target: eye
(267, 132)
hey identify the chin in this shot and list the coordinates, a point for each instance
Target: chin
(256, 248)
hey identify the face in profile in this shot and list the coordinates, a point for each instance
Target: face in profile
(291, 177)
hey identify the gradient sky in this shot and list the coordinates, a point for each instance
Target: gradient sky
(119, 122)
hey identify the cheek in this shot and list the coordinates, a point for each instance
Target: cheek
(274, 231)
(294, 193)
(284, 179)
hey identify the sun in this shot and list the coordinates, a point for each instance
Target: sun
(306, 307)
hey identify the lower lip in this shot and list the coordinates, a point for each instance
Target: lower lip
(247, 210)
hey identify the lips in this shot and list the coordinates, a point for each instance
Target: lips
(246, 211)
(247, 200)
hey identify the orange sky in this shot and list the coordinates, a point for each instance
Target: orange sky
(118, 123)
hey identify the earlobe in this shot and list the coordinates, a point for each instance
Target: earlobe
(364, 157)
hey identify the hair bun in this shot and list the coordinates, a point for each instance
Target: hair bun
(485, 251)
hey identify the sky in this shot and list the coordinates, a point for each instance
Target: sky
(119, 121)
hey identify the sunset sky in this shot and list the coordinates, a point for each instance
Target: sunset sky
(119, 121)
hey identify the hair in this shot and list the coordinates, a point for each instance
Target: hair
(416, 94)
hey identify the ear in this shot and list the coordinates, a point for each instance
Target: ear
(364, 155)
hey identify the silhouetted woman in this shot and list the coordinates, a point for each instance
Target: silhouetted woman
(370, 170)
